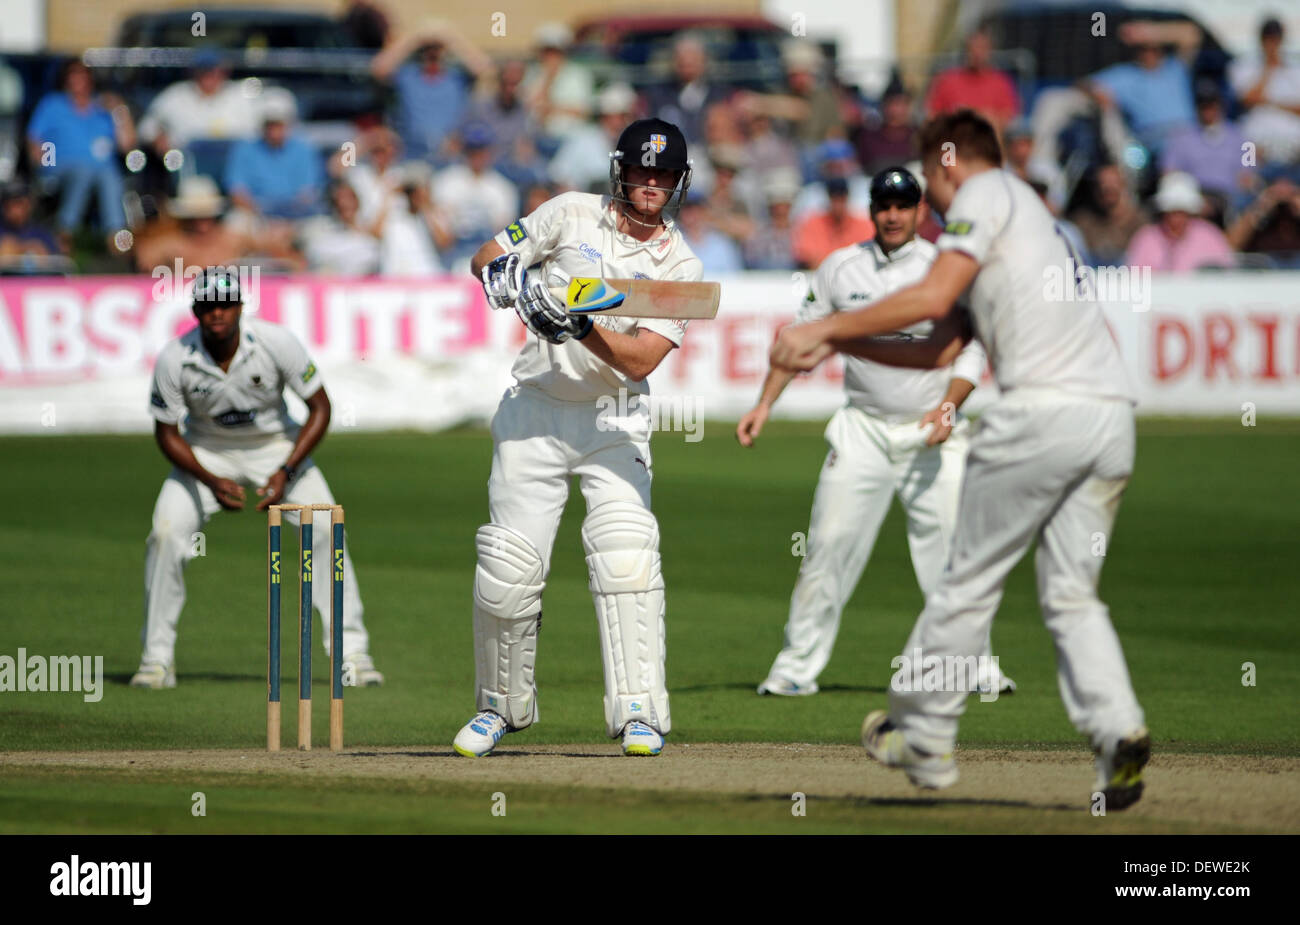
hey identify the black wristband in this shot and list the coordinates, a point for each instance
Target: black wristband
(586, 328)
(290, 472)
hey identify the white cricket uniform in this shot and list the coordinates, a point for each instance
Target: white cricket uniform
(1048, 462)
(877, 450)
(562, 418)
(240, 428)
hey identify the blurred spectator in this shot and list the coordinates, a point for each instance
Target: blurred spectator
(339, 243)
(838, 226)
(890, 139)
(1212, 151)
(535, 195)
(767, 150)
(728, 211)
(366, 23)
(1154, 91)
(1019, 158)
(193, 230)
(582, 161)
(1109, 216)
(975, 84)
(278, 175)
(835, 158)
(559, 91)
(11, 107)
(206, 106)
(685, 99)
(504, 111)
(522, 164)
(1269, 89)
(394, 206)
(431, 94)
(809, 107)
(1271, 224)
(771, 245)
(19, 235)
(75, 138)
(1179, 240)
(478, 201)
(716, 251)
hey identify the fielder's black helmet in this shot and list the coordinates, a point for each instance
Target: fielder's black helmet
(895, 184)
(650, 143)
(216, 286)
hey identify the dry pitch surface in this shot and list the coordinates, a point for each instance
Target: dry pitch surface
(999, 791)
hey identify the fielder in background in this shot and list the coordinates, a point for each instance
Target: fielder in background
(224, 381)
(556, 423)
(1049, 461)
(900, 433)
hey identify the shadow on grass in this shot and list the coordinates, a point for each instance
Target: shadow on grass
(125, 679)
(751, 688)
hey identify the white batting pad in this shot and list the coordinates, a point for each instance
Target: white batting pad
(627, 585)
(507, 612)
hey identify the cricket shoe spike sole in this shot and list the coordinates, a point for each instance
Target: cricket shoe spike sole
(640, 739)
(886, 744)
(1119, 773)
(480, 735)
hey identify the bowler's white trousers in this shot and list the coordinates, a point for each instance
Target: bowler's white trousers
(868, 462)
(184, 505)
(1048, 466)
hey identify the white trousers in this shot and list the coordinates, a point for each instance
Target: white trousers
(869, 461)
(184, 505)
(1051, 467)
(538, 443)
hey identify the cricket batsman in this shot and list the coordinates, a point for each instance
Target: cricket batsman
(899, 433)
(223, 382)
(1048, 463)
(549, 426)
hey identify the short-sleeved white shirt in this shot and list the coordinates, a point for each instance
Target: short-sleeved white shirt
(852, 278)
(246, 403)
(1032, 340)
(575, 234)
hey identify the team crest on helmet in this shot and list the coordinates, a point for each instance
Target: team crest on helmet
(658, 142)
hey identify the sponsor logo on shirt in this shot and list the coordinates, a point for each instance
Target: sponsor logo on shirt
(516, 231)
(810, 297)
(235, 418)
(859, 297)
(156, 400)
(309, 372)
(957, 228)
(589, 252)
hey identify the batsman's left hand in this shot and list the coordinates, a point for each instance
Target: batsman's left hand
(273, 491)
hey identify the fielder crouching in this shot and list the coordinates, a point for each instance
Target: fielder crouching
(550, 426)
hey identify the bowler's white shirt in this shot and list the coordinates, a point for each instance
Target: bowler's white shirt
(246, 403)
(1032, 340)
(852, 278)
(575, 234)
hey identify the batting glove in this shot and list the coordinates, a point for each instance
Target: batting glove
(546, 316)
(503, 280)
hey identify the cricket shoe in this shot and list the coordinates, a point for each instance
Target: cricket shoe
(154, 677)
(785, 688)
(640, 739)
(1004, 684)
(481, 734)
(886, 744)
(1119, 768)
(359, 671)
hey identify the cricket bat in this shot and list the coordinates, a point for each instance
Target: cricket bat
(640, 298)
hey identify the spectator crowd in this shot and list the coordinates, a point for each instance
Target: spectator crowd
(1146, 162)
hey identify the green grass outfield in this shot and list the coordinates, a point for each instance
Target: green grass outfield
(1201, 577)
